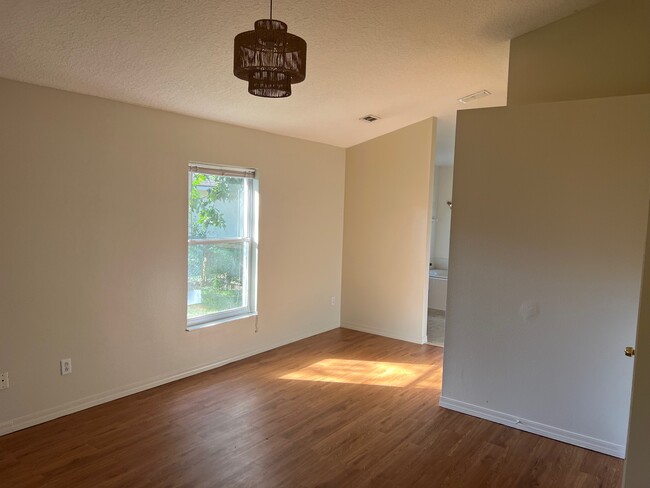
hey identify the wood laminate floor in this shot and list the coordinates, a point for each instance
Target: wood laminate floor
(341, 409)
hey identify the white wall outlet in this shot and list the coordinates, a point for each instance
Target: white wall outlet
(332, 301)
(66, 366)
(4, 381)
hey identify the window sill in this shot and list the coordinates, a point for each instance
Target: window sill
(212, 323)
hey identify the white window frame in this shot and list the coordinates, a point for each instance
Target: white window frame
(250, 238)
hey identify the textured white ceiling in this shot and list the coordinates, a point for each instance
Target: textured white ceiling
(402, 60)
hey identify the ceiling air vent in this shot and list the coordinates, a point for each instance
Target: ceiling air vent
(474, 96)
(370, 118)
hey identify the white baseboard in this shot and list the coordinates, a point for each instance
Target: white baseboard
(42, 416)
(384, 333)
(544, 430)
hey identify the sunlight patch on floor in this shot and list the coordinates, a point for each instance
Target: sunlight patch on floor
(377, 373)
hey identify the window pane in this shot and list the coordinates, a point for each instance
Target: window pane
(217, 207)
(216, 274)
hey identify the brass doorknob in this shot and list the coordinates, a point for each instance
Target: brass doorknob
(629, 351)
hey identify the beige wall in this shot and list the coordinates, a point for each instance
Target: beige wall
(601, 51)
(388, 202)
(93, 246)
(637, 474)
(547, 242)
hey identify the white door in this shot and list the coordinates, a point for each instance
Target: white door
(637, 471)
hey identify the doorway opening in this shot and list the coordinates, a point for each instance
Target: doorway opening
(439, 254)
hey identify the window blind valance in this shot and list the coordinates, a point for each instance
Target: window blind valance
(222, 170)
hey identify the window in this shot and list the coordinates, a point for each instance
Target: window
(221, 244)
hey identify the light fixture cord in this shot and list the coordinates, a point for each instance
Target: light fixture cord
(271, 10)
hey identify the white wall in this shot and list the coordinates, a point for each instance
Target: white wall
(444, 178)
(434, 213)
(550, 207)
(93, 246)
(601, 51)
(388, 202)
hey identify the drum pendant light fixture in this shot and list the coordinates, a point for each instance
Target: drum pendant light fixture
(270, 58)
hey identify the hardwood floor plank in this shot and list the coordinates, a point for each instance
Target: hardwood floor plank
(342, 409)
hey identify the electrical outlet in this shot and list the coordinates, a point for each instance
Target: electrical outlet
(66, 366)
(4, 381)
(332, 301)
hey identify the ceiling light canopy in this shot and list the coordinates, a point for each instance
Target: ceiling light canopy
(270, 58)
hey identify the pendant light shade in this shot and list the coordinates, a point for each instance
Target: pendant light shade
(270, 59)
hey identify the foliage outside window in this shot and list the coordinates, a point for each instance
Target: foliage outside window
(221, 244)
